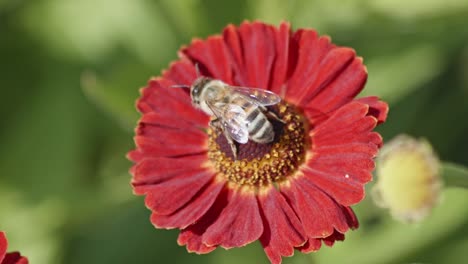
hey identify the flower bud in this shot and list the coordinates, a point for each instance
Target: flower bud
(408, 181)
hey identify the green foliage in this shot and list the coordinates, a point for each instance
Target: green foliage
(69, 77)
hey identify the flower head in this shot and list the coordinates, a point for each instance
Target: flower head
(292, 193)
(9, 258)
(408, 179)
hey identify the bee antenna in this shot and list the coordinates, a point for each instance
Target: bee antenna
(197, 69)
(180, 86)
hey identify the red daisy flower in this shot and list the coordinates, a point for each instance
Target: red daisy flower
(9, 258)
(292, 193)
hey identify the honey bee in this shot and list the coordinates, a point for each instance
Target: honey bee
(239, 112)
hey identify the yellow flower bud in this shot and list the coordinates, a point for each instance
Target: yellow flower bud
(408, 178)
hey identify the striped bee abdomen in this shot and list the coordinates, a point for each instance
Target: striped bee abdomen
(259, 127)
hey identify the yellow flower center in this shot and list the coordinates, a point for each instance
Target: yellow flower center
(261, 164)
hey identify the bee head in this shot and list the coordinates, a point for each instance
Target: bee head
(197, 88)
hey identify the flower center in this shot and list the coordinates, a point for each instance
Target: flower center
(260, 164)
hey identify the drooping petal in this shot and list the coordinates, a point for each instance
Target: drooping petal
(166, 197)
(238, 224)
(336, 236)
(377, 108)
(312, 245)
(192, 211)
(191, 236)
(283, 231)
(318, 212)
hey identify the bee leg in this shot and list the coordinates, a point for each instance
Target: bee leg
(272, 115)
(231, 144)
(215, 123)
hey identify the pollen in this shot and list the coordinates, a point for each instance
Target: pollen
(262, 164)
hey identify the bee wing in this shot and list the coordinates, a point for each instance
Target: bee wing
(233, 120)
(257, 96)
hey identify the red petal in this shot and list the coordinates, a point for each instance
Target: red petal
(349, 124)
(312, 245)
(342, 153)
(239, 223)
(181, 72)
(3, 246)
(233, 45)
(332, 65)
(155, 126)
(336, 236)
(377, 108)
(173, 104)
(192, 235)
(351, 217)
(166, 197)
(258, 48)
(9, 258)
(212, 58)
(14, 258)
(343, 190)
(172, 147)
(285, 59)
(348, 155)
(159, 169)
(158, 140)
(165, 121)
(191, 212)
(318, 212)
(252, 53)
(282, 229)
(343, 88)
(135, 155)
(311, 51)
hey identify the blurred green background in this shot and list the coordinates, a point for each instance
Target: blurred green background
(69, 75)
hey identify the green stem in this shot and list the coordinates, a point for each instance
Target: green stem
(455, 175)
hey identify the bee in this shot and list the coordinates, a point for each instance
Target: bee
(239, 112)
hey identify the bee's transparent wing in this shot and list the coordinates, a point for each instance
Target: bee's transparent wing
(257, 96)
(233, 120)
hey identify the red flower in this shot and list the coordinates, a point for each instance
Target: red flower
(290, 194)
(9, 258)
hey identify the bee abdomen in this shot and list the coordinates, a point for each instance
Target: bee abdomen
(260, 129)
